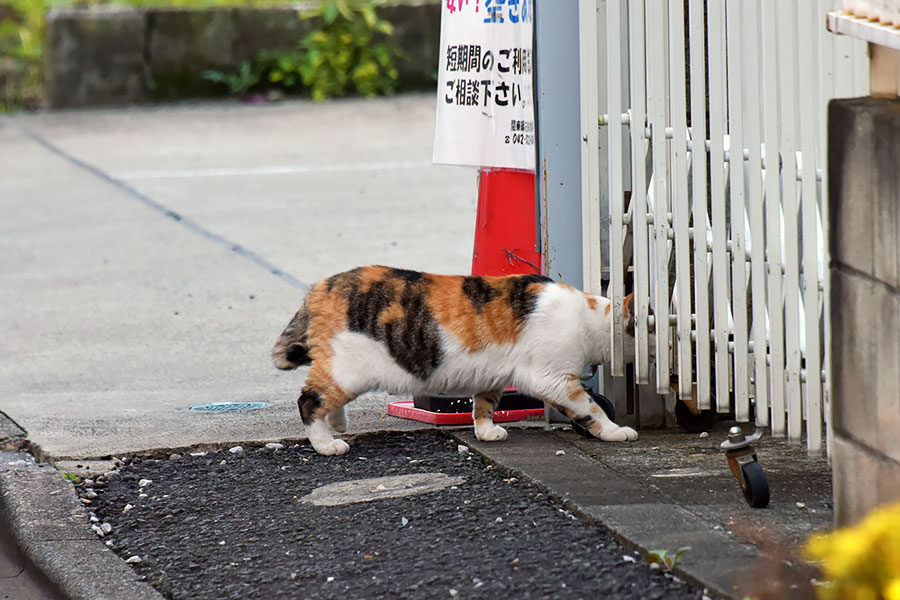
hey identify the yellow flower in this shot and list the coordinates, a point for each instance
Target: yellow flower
(892, 590)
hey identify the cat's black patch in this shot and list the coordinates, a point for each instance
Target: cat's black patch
(479, 292)
(298, 354)
(308, 402)
(347, 279)
(413, 341)
(364, 308)
(520, 299)
(407, 275)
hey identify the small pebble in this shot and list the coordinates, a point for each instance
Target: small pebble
(404, 521)
(144, 482)
(109, 543)
(560, 452)
(97, 530)
(90, 494)
(222, 543)
(85, 501)
(498, 520)
(133, 560)
(88, 483)
(94, 519)
(198, 453)
(127, 508)
(173, 456)
(236, 449)
(628, 558)
(330, 579)
(274, 446)
(453, 593)
(462, 449)
(705, 434)
(106, 527)
(800, 505)
(654, 566)
(142, 495)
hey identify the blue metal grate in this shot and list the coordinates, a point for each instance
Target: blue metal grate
(228, 406)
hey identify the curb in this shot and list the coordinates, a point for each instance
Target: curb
(52, 528)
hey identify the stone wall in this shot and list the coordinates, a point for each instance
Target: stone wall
(118, 55)
(864, 214)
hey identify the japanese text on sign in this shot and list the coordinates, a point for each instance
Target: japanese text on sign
(485, 82)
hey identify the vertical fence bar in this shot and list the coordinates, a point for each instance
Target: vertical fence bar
(772, 133)
(826, 92)
(809, 197)
(640, 233)
(717, 79)
(750, 18)
(699, 193)
(737, 220)
(616, 188)
(787, 27)
(590, 152)
(656, 85)
(680, 199)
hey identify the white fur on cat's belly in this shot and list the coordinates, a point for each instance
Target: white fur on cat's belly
(361, 364)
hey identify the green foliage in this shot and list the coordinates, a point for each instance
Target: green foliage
(22, 32)
(238, 83)
(352, 50)
(71, 477)
(666, 559)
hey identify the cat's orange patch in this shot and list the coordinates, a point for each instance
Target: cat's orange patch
(495, 323)
(391, 313)
(370, 275)
(591, 301)
(607, 309)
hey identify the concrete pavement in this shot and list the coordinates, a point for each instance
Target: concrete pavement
(138, 246)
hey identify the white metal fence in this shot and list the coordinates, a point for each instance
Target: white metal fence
(710, 152)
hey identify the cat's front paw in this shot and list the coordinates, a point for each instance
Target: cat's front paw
(334, 448)
(619, 434)
(491, 433)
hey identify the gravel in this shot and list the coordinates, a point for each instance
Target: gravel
(225, 525)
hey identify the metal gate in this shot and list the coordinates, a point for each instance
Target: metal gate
(710, 160)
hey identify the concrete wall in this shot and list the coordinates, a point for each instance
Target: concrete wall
(120, 55)
(864, 214)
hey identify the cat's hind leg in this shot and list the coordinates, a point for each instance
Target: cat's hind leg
(483, 407)
(317, 402)
(337, 418)
(569, 397)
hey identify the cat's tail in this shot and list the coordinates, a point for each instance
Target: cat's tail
(290, 350)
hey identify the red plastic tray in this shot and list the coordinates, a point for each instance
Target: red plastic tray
(404, 409)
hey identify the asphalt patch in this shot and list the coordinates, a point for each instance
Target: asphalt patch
(233, 525)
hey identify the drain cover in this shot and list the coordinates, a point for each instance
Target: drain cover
(228, 406)
(367, 490)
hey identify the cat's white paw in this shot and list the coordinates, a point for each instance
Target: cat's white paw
(334, 448)
(491, 433)
(620, 434)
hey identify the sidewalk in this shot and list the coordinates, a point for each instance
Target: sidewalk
(150, 256)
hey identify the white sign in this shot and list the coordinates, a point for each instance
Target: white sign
(485, 104)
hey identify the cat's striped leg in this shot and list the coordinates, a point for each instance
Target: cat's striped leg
(570, 398)
(483, 407)
(320, 398)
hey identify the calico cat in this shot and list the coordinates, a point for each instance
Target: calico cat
(405, 332)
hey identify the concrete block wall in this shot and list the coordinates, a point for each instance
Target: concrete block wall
(864, 217)
(120, 55)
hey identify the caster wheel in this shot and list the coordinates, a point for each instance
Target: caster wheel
(692, 423)
(604, 403)
(756, 492)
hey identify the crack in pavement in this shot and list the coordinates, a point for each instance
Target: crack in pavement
(160, 208)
